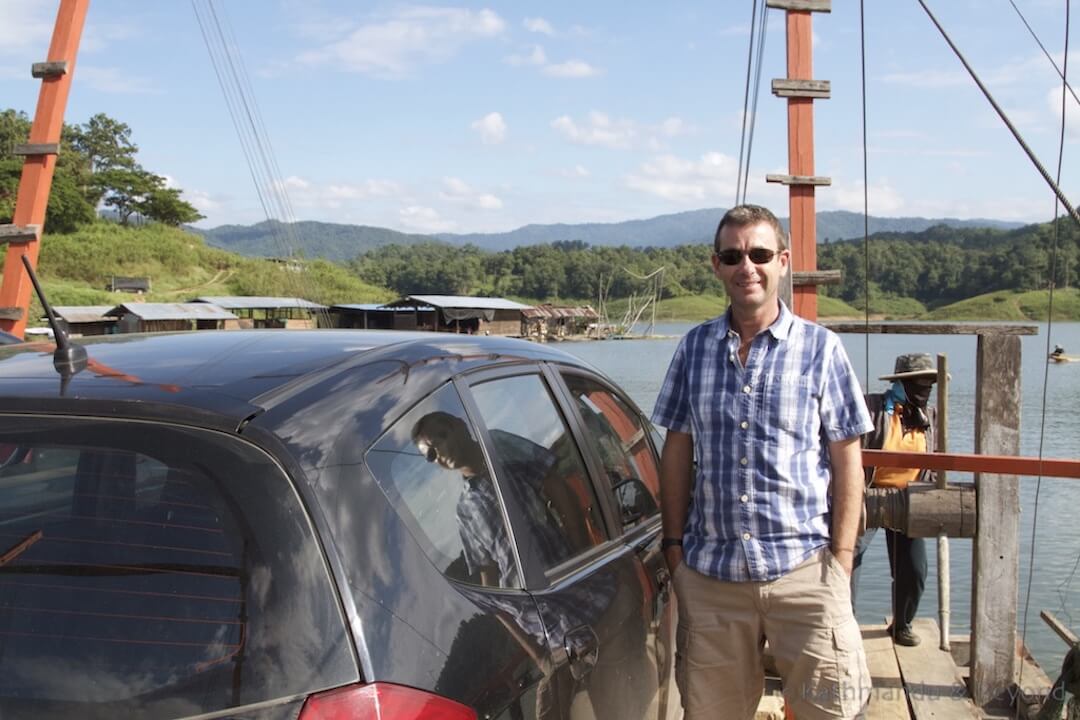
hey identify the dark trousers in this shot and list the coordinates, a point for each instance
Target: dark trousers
(907, 563)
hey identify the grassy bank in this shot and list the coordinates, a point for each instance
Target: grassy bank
(76, 268)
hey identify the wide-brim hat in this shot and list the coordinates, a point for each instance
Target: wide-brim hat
(912, 365)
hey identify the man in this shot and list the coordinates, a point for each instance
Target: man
(902, 422)
(760, 536)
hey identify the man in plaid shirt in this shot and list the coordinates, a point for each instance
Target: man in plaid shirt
(761, 492)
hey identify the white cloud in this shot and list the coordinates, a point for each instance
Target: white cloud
(27, 27)
(492, 128)
(203, 201)
(883, 199)
(539, 25)
(364, 191)
(536, 57)
(409, 37)
(459, 191)
(304, 193)
(578, 171)
(114, 80)
(571, 69)
(674, 127)
(710, 178)
(599, 129)
(1072, 112)
(424, 219)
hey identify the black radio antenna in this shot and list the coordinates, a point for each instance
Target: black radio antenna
(68, 358)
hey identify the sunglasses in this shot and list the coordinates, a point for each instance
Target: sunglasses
(758, 256)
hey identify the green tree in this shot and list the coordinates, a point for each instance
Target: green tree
(125, 190)
(164, 205)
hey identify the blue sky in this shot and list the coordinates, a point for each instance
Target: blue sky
(466, 117)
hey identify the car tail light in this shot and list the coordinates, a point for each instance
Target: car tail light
(382, 701)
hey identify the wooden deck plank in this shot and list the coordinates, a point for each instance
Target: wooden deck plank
(887, 699)
(932, 680)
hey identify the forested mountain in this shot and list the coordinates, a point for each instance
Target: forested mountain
(330, 241)
(935, 267)
(696, 226)
(344, 242)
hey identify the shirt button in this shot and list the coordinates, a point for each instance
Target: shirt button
(746, 536)
(744, 498)
(743, 461)
(744, 424)
(746, 388)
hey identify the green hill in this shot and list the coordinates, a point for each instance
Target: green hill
(1012, 305)
(76, 268)
(330, 241)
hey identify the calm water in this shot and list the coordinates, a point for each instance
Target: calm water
(639, 366)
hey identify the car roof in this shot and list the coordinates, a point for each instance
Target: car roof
(222, 372)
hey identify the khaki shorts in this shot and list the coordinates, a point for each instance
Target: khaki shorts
(807, 619)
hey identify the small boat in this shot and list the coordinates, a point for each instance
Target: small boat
(1062, 358)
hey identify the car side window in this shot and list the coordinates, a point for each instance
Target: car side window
(148, 569)
(620, 438)
(431, 467)
(542, 466)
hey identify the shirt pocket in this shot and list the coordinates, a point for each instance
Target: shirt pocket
(791, 402)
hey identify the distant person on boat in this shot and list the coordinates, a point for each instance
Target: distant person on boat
(761, 490)
(903, 421)
(1058, 351)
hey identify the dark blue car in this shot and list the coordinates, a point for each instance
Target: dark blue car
(327, 524)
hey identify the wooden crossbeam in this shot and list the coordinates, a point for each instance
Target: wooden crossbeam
(798, 179)
(11, 313)
(44, 70)
(36, 149)
(970, 462)
(16, 234)
(787, 87)
(816, 277)
(801, 5)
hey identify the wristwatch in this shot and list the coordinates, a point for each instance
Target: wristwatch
(670, 542)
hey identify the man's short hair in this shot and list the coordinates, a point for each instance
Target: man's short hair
(744, 215)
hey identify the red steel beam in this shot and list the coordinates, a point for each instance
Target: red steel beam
(968, 462)
(801, 205)
(37, 172)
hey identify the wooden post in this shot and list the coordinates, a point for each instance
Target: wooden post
(943, 564)
(995, 567)
(38, 168)
(801, 160)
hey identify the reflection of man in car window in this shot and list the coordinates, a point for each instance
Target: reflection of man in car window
(445, 439)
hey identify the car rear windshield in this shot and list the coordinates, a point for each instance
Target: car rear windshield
(148, 570)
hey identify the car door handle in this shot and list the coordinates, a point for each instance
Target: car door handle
(582, 650)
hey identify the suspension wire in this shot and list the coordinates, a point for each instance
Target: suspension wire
(866, 195)
(254, 141)
(1043, 48)
(291, 242)
(1005, 118)
(1049, 333)
(746, 100)
(757, 85)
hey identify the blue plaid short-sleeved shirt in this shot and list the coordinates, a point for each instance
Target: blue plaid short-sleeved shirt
(760, 503)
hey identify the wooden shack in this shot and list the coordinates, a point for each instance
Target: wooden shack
(289, 313)
(557, 321)
(372, 316)
(462, 314)
(170, 317)
(86, 319)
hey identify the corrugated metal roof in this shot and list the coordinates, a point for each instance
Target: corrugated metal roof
(173, 311)
(463, 301)
(552, 311)
(242, 302)
(375, 307)
(83, 313)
